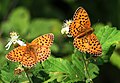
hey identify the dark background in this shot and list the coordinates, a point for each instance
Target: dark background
(105, 11)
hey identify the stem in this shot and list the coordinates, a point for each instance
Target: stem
(29, 78)
(86, 69)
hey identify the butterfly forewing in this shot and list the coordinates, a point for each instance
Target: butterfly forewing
(76, 28)
(44, 40)
(23, 55)
(81, 22)
(82, 17)
(16, 54)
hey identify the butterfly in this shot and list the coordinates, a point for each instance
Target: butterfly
(84, 38)
(36, 51)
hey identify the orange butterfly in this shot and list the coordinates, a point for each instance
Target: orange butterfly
(36, 51)
(84, 38)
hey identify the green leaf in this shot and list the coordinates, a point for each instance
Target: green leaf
(6, 77)
(35, 70)
(87, 69)
(66, 71)
(79, 65)
(7, 73)
(107, 36)
(93, 70)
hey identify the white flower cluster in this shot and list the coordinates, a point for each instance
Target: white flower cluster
(65, 29)
(13, 40)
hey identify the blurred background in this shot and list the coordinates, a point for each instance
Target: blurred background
(31, 18)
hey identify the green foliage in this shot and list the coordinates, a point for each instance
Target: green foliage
(7, 74)
(108, 37)
(70, 71)
(63, 70)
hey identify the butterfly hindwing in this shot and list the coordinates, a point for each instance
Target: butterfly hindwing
(94, 45)
(89, 44)
(28, 60)
(43, 53)
(81, 43)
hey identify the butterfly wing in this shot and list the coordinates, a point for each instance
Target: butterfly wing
(16, 54)
(28, 60)
(43, 43)
(44, 40)
(43, 53)
(20, 54)
(89, 44)
(76, 28)
(82, 17)
(81, 22)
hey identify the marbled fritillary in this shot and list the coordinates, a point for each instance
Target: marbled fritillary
(84, 38)
(36, 51)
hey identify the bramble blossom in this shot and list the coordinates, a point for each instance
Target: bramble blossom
(65, 29)
(13, 40)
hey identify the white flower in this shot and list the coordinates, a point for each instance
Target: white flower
(18, 70)
(13, 40)
(65, 29)
(21, 43)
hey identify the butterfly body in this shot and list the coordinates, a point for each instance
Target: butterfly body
(84, 38)
(87, 32)
(36, 51)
